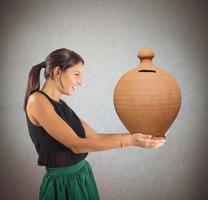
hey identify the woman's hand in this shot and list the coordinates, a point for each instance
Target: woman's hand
(146, 141)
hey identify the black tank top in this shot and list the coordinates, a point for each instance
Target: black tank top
(52, 153)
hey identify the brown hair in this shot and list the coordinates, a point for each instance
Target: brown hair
(64, 58)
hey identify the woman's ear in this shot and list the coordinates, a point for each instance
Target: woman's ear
(57, 71)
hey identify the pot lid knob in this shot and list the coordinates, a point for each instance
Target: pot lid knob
(145, 54)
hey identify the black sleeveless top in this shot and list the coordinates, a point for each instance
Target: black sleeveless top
(52, 153)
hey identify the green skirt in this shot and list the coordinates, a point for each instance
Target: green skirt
(75, 182)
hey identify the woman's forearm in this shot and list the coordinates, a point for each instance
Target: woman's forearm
(105, 142)
(112, 135)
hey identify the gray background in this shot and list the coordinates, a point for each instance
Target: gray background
(108, 34)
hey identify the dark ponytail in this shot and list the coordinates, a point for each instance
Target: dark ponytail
(64, 58)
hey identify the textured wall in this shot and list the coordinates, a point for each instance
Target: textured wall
(108, 34)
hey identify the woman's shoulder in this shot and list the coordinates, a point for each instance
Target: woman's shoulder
(37, 99)
(35, 96)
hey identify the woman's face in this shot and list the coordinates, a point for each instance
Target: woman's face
(72, 78)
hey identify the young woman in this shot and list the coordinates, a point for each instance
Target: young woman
(63, 140)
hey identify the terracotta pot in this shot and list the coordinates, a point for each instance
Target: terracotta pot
(147, 98)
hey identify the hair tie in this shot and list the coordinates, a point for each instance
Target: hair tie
(43, 64)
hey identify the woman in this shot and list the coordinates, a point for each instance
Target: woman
(63, 140)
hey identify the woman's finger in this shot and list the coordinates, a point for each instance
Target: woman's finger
(150, 141)
(147, 136)
(155, 142)
(144, 135)
(154, 145)
(157, 138)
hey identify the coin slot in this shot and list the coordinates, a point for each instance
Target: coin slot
(147, 70)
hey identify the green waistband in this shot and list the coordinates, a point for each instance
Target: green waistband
(66, 170)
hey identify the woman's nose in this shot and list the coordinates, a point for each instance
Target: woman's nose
(80, 82)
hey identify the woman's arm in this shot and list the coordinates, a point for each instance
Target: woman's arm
(115, 140)
(84, 145)
(118, 140)
(111, 135)
(46, 116)
(91, 133)
(42, 110)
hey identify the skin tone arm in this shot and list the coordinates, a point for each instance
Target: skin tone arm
(91, 133)
(144, 139)
(41, 109)
(103, 135)
(110, 142)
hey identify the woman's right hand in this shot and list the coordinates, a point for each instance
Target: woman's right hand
(146, 141)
